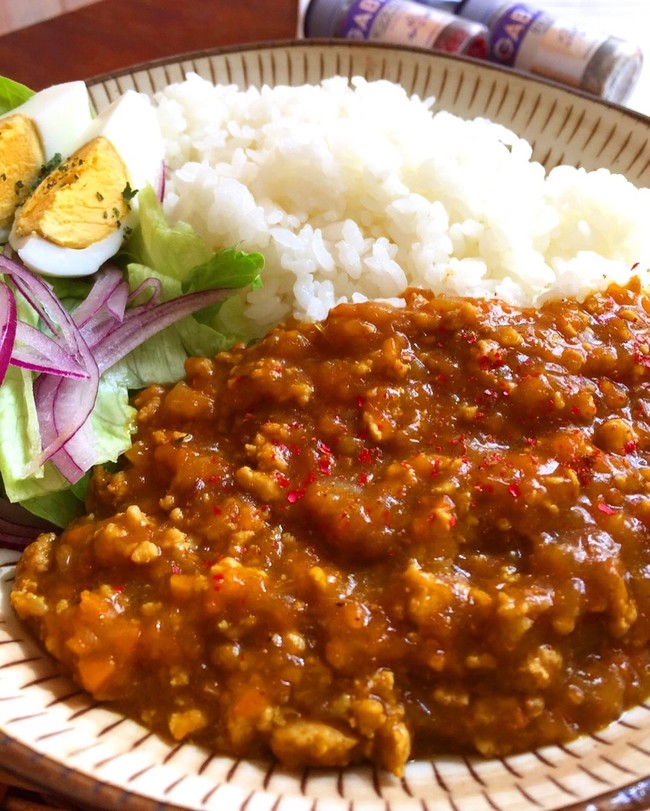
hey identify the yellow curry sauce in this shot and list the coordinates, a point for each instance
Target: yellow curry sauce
(390, 534)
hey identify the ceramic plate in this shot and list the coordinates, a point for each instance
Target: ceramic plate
(55, 735)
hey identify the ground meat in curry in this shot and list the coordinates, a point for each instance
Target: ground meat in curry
(398, 532)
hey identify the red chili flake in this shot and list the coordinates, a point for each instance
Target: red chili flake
(296, 450)
(294, 495)
(214, 479)
(631, 446)
(118, 589)
(441, 378)
(361, 402)
(281, 479)
(457, 440)
(575, 411)
(176, 569)
(325, 466)
(514, 489)
(365, 457)
(452, 521)
(310, 478)
(491, 361)
(323, 448)
(216, 510)
(532, 441)
(248, 416)
(362, 479)
(470, 338)
(605, 508)
(218, 576)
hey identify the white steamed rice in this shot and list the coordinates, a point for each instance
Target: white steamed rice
(354, 190)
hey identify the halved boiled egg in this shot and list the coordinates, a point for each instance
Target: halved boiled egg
(48, 124)
(78, 216)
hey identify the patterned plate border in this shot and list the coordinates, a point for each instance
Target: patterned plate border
(56, 736)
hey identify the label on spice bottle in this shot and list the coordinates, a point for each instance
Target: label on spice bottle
(532, 41)
(399, 21)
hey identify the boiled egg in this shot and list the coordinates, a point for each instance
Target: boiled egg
(78, 216)
(47, 125)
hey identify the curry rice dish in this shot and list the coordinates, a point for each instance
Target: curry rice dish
(396, 532)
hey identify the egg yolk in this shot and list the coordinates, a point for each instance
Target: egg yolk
(82, 201)
(21, 158)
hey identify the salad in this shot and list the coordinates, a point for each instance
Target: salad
(82, 326)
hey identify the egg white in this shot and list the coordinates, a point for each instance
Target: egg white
(62, 114)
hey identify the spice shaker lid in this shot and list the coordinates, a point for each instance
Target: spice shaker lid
(481, 11)
(321, 19)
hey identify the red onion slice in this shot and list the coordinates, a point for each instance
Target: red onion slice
(19, 527)
(108, 294)
(143, 321)
(35, 350)
(7, 328)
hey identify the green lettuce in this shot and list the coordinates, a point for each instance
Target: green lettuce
(183, 263)
(12, 94)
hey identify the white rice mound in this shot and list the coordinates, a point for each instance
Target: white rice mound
(354, 190)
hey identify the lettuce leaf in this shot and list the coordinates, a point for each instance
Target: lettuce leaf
(182, 262)
(12, 94)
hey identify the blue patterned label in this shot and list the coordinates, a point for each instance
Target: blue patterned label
(508, 31)
(360, 18)
(399, 21)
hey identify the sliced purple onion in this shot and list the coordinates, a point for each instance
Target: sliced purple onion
(142, 322)
(38, 352)
(63, 406)
(7, 328)
(19, 527)
(42, 299)
(108, 294)
(102, 330)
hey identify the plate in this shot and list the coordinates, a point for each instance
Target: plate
(56, 736)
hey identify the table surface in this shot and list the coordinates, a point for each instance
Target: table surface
(114, 34)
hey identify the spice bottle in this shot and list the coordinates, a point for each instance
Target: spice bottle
(532, 40)
(402, 22)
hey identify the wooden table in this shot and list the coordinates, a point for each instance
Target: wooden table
(114, 34)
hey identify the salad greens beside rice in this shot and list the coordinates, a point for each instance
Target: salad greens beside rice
(180, 264)
(350, 190)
